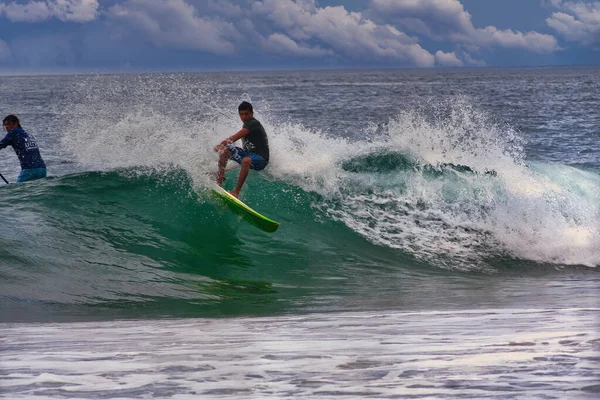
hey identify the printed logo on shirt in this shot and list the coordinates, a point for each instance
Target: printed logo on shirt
(30, 144)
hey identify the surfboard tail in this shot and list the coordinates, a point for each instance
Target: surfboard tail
(243, 210)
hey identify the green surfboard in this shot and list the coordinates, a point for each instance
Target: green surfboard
(247, 213)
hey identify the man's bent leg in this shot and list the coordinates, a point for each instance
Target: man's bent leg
(224, 155)
(244, 168)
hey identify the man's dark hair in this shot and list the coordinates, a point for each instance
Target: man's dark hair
(245, 106)
(12, 119)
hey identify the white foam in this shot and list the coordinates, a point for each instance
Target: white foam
(536, 212)
(541, 213)
(488, 354)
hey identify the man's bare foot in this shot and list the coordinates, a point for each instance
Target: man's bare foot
(235, 193)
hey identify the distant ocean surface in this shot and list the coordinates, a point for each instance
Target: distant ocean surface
(439, 238)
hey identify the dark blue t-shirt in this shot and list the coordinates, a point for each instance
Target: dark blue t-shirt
(256, 140)
(26, 148)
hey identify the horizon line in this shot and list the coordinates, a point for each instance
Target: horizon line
(113, 71)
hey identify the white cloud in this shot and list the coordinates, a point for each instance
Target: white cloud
(64, 10)
(435, 17)
(224, 8)
(346, 33)
(31, 12)
(579, 21)
(283, 45)
(472, 61)
(284, 27)
(74, 10)
(175, 23)
(447, 59)
(448, 20)
(302, 28)
(533, 41)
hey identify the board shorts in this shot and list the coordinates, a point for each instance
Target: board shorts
(238, 154)
(31, 174)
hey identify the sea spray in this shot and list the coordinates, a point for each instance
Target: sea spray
(463, 193)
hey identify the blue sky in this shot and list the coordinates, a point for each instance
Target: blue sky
(130, 35)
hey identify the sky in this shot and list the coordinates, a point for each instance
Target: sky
(208, 35)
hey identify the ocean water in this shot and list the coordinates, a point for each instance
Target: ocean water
(439, 237)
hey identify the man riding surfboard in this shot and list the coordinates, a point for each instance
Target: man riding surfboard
(253, 155)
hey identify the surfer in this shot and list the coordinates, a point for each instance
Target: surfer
(24, 144)
(255, 151)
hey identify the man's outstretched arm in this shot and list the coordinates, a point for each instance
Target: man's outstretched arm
(232, 139)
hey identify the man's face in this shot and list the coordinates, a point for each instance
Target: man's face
(9, 126)
(246, 115)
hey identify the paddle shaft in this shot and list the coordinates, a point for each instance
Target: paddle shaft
(3, 178)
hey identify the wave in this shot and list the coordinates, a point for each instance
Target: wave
(436, 192)
(139, 238)
(442, 182)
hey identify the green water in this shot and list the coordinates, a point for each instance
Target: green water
(151, 242)
(137, 243)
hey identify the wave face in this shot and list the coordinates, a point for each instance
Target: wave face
(427, 196)
(134, 240)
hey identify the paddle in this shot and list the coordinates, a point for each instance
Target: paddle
(3, 178)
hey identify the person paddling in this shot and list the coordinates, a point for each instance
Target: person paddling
(24, 144)
(253, 155)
